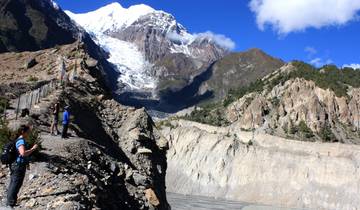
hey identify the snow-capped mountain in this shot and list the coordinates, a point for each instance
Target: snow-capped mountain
(152, 51)
(112, 17)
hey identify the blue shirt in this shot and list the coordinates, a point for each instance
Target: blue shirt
(20, 159)
(66, 116)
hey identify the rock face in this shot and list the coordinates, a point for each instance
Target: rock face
(153, 34)
(296, 101)
(230, 163)
(33, 25)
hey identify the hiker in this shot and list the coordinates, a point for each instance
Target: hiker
(55, 119)
(65, 122)
(18, 168)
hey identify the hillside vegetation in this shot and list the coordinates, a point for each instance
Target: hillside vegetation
(328, 77)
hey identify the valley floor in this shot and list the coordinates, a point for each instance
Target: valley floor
(190, 202)
(225, 162)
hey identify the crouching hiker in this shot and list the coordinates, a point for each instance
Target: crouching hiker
(18, 168)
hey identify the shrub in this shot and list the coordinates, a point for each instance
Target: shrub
(212, 114)
(233, 95)
(32, 79)
(7, 135)
(305, 130)
(326, 134)
(3, 104)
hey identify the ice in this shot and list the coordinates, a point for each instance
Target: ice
(130, 62)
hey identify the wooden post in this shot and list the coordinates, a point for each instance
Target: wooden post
(31, 99)
(5, 112)
(17, 108)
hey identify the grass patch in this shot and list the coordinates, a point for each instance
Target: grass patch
(32, 78)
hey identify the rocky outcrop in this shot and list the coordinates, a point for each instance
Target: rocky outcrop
(260, 168)
(297, 100)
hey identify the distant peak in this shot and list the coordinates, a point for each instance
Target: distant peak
(256, 50)
(114, 5)
(141, 6)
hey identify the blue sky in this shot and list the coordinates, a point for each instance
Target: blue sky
(284, 32)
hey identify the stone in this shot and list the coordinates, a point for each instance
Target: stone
(151, 197)
(32, 176)
(91, 63)
(30, 63)
(144, 151)
(162, 143)
(140, 179)
(31, 203)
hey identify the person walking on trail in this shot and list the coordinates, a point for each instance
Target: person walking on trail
(18, 168)
(55, 119)
(65, 122)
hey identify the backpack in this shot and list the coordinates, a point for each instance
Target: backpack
(9, 153)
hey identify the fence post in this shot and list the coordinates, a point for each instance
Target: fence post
(5, 112)
(31, 99)
(17, 108)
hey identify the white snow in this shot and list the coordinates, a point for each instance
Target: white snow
(110, 18)
(129, 61)
(55, 5)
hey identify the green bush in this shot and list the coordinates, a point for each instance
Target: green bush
(305, 131)
(233, 95)
(211, 114)
(3, 103)
(7, 135)
(326, 134)
(32, 79)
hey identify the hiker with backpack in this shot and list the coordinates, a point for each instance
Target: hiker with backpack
(65, 122)
(16, 155)
(55, 119)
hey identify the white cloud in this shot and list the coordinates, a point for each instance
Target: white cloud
(287, 16)
(218, 39)
(319, 62)
(181, 39)
(353, 65)
(310, 50)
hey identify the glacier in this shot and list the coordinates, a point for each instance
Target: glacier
(129, 61)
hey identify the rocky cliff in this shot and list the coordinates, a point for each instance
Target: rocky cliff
(300, 106)
(115, 159)
(260, 168)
